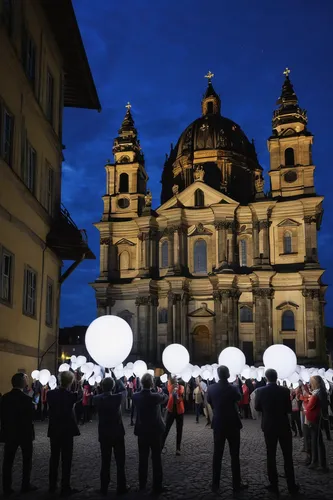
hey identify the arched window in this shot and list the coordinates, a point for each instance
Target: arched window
(163, 316)
(124, 261)
(123, 183)
(287, 242)
(289, 157)
(243, 253)
(210, 107)
(288, 321)
(200, 256)
(245, 315)
(199, 198)
(165, 254)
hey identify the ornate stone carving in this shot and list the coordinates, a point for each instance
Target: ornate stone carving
(142, 301)
(222, 141)
(144, 236)
(225, 294)
(178, 297)
(263, 293)
(223, 224)
(200, 228)
(309, 219)
(199, 174)
(148, 199)
(171, 297)
(216, 296)
(264, 224)
(256, 224)
(153, 300)
(105, 241)
(259, 184)
(175, 189)
(311, 293)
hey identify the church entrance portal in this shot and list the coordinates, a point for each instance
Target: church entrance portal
(201, 345)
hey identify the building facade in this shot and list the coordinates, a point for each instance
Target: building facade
(43, 68)
(220, 262)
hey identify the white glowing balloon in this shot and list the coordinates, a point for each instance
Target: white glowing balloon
(233, 358)
(186, 374)
(91, 381)
(164, 378)
(151, 372)
(327, 385)
(98, 379)
(53, 386)
(35, 375)
(288, 383)
(128, 373)
(130, 365)
(328, 375)
(85, 368)
(139, 368)
(73, 359)
(246, 372)
(294, 378)
(196, 371)
(305, 375)
(253, 373)
(175, 358)
(232, 378)
(53, 380)
(281, 358)
(74, 366)
(81, 360)
(206, 374)
(259, 378)
(64, 367)
(44, 376)
(109, 340)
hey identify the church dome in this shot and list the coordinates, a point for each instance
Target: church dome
(214, 131)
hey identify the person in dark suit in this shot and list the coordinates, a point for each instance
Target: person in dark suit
(224, 398)
(150, 428)
(274, 403)
(62, 429)
(111, 434)
(17, 431)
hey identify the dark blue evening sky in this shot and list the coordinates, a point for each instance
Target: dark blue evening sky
(154, 53)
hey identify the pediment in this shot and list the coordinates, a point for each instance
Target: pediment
(124, 241)
(201, 230)
(288, 223)
(202, 312)
(285, 305)
(185, 199)
(288, 132)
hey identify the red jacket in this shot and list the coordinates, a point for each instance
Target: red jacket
(180, 399)
(312, 409)
(246, 395)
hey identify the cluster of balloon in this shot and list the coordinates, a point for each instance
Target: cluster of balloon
(44, 377)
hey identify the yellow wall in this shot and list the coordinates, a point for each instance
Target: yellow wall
(24, 222)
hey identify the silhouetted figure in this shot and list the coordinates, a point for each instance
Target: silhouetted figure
(62, 429)
(149, 427)
(274, 403)
(17, 431)
(111, 435)
(224, 398)
(175, 411)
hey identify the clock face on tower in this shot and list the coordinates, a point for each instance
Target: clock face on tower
(123, 202)
(290, 176)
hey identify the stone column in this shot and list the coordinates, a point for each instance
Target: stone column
(171, 301)
(152, 345)
(184, 333)
(171, 249)
(104, 257)
(231, 238)
(233, 297)
(255, 239)
(310, 229)
(263, 320)
(153, 242)
(143, 325)
(178, 322)
(224, 318)
(221, 228)
(264, 227)
(102, 304)
(218, 322)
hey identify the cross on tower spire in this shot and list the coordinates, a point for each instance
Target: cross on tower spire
(128, 106)
(209, 76)
(287, 72)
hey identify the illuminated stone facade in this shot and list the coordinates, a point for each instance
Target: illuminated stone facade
(220, 262)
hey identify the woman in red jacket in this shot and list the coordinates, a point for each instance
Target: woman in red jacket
(175, 411)
(315, 411)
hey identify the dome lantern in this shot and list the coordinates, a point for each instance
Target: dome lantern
(211, 102)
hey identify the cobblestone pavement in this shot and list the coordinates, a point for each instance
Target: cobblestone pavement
(188, 476)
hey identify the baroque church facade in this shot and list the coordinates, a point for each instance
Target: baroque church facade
(220, 262)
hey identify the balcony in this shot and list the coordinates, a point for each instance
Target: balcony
(66, 240)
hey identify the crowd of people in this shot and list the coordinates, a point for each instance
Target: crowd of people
(305, 411)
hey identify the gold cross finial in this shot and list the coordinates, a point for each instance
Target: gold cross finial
(286, 72)
(209, 76)
(128, 106)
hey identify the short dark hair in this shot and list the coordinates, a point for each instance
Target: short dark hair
(108, 384)
(271, 375)
(223, 372)
(147, 381)
(19, 380)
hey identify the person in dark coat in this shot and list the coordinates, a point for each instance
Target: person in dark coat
(150, 428)
(224, 398)
(17, 431)
(111, 434)
(62, 429)
(274, 403)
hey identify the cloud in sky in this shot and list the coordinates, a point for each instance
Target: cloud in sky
(155, 55)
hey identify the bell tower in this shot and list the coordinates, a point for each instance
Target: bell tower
(211, 102)
(126, 178)
(291, 169)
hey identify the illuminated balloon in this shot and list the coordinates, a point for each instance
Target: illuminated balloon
(139, 368)
(64, 368)
(282, 359)
(44, 376)
(233, 358)
(109, 340)
(164, 378)
(35, 375)
(81, 360)
(175, 358)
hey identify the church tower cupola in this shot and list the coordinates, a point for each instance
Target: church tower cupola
(211, 102)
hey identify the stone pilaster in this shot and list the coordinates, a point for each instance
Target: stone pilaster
(263, 320)
(313, 326)
(104, 256)
(224, 318)
(233, 317)
(255, 239)
(178, 319)
(310, 230)
(232, 242)
(264, 227)
(152, 341)
(171, 302)
(171, 231)
(218, 323)
(221, 228)
(102, 304)
(143, 325)
(184, 319)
